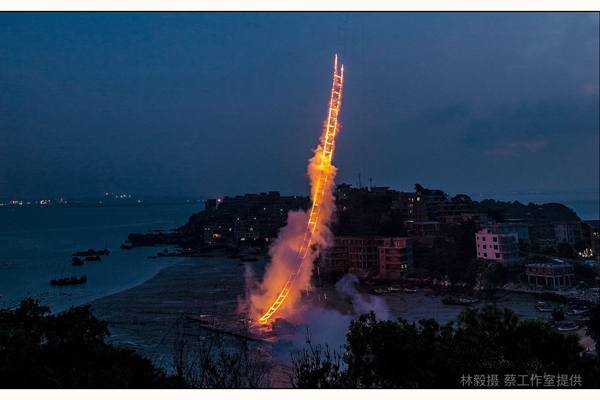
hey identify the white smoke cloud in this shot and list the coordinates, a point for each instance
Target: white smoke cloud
(362, 304)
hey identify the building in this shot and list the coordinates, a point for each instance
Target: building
(541, 228)
(362, 255)
(499, 247)
(368, 256)
(480, 218)
(423, 232)
(590, 234)
(556, 274)
(567, 231)
(380, 190)
(395, 257)
(511, 226)
(410, 207)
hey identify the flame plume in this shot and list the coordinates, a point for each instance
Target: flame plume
(321, 173)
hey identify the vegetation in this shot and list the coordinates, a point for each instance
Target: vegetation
(453, 253)
(212, 362)
(487, 342)
(593, 329)
(499, 210)
(363, 213)
(68, 350)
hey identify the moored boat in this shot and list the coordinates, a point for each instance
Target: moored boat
(543, 307)
(76, 261)
(581, 310)
(92, 252)
(73, 280)
(568, 327)
(458, 302)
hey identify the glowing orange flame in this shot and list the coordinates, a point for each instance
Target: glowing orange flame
(318, 192)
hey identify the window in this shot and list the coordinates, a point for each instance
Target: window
(485, 254)
(497, 255)
(495, 247)
(483, 238)
(495, 239)
(484, 246)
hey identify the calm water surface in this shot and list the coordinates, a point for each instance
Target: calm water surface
(36, 245)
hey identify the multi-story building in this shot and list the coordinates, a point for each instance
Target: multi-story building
(379, 190)
(368, 256)
(243, 218)
(362, 255)
(499, 247)
(480, 218)
(511, 226)
(541, 228)
(395, 257)
(567, 231)
(590, 234)
(423, 232)
(555, 274)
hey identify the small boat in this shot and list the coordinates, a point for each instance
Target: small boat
(76, 261)
(459, 302)
(127, 245)
(579, 311)
(69, 281)
(407, 290)
(393, 289)
(92, 252)
(543, 307)
(568, 327)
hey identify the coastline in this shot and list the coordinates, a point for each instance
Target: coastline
(149, 316)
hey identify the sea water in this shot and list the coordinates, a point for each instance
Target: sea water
(36, 246)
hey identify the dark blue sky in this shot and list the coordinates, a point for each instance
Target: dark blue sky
(229, 103)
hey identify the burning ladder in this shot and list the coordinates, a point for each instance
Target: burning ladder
(335, 102)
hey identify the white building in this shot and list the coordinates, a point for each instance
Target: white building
(567, 231)
(499, 247)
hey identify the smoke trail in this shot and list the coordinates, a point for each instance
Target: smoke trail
(284, 251)
(295, 250)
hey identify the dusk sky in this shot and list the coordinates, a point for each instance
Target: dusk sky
(215, 104)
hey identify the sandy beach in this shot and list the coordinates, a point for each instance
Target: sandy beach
(148, 317)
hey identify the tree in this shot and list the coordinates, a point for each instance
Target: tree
(463, 199)
(564, 249)
(486, 341)
(317, 367)
(68, 350)
(593, 328)
(212, 361)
